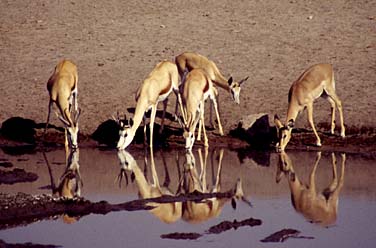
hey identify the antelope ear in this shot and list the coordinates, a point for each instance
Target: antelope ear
(290, 124)
(230, 81)
(277, 122)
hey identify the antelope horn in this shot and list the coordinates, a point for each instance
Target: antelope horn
(65, 122)
(243, 80)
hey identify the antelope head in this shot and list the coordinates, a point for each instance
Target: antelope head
(283, 132)
(71, 126)
(125, 136)
(235, 88)
(188, 134)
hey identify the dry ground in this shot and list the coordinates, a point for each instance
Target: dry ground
(117, 43)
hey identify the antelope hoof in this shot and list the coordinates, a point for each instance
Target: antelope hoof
(343, 155)
(318, 143)
(221, 132)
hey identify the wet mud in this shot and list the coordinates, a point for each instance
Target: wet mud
(23, 209)
(283, 235)
(182, 236)
(13, 141)
(217, 229)
(228, 225)
(17, 176)
(25, 245)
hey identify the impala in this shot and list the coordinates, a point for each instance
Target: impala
(155, 88)
(316, 81)
(166, 212)
(62, 88)
(188, 61)
(316, 207)
(196, 89)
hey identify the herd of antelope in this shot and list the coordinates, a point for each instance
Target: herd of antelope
(193, 78)
(198, 78)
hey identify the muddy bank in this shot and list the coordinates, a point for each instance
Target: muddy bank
(358, 140)
(283, 235)
(23, 209)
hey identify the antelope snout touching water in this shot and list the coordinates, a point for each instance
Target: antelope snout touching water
(317, 207)
(156, 88)
(317, 81)
(196, 212)
(62, 89)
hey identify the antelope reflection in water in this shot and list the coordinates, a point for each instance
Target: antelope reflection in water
(196, 212)
(166, 212)
(316, 207)
(70, 183)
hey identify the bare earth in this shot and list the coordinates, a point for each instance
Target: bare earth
(117, 43)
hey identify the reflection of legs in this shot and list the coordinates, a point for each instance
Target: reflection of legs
(342, 178)
(167, 179)
(312, 183)
(153, 170)
(203, 162)
(53, 185)
(310, 120)
(334, 183)
(337, 189)
(217, 186)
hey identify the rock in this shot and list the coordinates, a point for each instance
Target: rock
(107, 133)
(19, 129)
(255, 129)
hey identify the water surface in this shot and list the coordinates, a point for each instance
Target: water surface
(350, 223)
